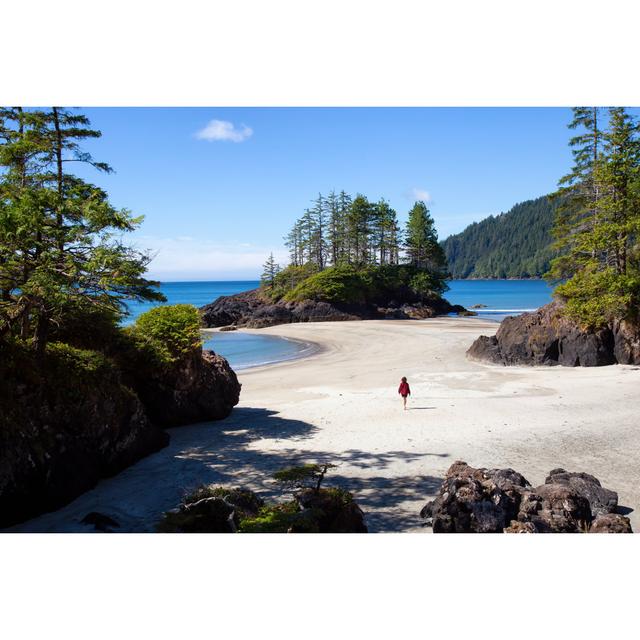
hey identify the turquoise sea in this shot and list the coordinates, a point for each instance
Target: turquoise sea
(500, 297)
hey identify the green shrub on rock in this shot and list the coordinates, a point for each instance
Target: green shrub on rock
(169, 332)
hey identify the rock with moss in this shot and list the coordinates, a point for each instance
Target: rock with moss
(177, 381)
(81, 414)
(334, 294)
(212, 509)
(549, 337)
(66, 422)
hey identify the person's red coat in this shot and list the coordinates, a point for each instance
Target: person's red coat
(403, 389)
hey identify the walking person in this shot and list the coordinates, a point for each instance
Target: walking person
(404, 391)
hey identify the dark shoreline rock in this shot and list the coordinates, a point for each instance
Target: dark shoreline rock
(62, 432)
(252, 310)
(547, 337)
(502, 500)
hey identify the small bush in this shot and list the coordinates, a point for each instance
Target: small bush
(169, 332)
(341, 284)
(288, 279)
(71, 361)
(278, 518)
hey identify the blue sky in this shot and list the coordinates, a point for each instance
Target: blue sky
(217, 203)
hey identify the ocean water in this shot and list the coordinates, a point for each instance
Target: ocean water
(502, 297)
(244, 350)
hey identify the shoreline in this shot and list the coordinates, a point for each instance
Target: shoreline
(308, 350)
(341, 405)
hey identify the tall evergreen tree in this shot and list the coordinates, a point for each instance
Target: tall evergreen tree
(600, 266)
(421, 240)
(57, 232)
(269, 271)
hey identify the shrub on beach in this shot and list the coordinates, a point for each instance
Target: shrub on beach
(168, 332)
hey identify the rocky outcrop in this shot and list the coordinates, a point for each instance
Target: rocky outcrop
(58, 440)
(212, 509)
(547, 337)
(63, 428)
(502, 500)
(253, 309)
(202, 386)
(332, 511)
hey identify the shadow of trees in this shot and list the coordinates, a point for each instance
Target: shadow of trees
(223, 452)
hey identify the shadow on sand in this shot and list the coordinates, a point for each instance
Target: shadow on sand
(224, 452)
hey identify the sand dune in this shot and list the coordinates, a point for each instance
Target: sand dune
(342, 405)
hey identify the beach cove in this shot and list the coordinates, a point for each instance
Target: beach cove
(341, 405)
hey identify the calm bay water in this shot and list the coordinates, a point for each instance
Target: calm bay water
(501, 297)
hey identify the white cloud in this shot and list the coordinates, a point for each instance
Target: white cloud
(185, 258)
(420, 194)
(224, 130)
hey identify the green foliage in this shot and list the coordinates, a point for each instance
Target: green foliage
(421, 241)
(598, 225)
(289, 278)
(515, 244)
(596, 297)
(307, 475)
(270, 270)
(60, 244)
(168, 332)
(273, 518)
(71, 361)
(348, 284)
(343, 284)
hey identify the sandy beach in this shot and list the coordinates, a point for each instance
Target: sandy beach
(341, 405)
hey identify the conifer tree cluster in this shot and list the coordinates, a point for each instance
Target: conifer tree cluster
(60, 247)
(343, 230)
(597, 228)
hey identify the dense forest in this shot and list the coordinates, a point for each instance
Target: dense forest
(515, 244)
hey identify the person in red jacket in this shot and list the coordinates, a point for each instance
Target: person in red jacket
(404, 391)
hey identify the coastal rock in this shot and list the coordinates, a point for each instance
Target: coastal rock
(476, 500)
(547, 337)
(601, 500)
(252, 309)
(502, 500)
(211, 509)
(331, 511)
(202, 386)
(64, 426)
(611, 523)
(58, 440)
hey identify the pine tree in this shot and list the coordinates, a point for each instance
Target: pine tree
(269, 271)
(578, 193)
(57, 231)
(421, 241)
(601, 264)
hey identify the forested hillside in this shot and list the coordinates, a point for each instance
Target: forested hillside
(515, 244)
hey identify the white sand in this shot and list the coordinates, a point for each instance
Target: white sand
(342, 405)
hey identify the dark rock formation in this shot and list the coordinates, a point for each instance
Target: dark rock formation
(501, 500)
(547, 337)
(611, 523)
(600, 500)
(252, 309)
(331, 511)
(100, 522)
(57, 441)
(211, 510)
(202, 386)
(63, 430)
